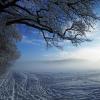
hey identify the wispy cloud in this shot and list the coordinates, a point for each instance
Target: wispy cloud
(89, 54)
(26, 40)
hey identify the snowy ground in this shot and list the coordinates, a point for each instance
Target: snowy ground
(50, 86)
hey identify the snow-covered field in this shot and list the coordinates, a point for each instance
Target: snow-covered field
(50, 86)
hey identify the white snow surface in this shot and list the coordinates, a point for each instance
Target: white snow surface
(50, 86)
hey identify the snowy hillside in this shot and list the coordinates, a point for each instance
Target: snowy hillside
(50, 86)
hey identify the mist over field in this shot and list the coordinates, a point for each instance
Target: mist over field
(59, 79)
(56, 65)
(38, 84)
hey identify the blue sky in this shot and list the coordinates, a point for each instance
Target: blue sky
(33, 48)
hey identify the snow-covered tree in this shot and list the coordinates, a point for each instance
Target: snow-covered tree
(57, 20)
(8, 39)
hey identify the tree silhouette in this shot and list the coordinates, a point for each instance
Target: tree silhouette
(56, 19)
